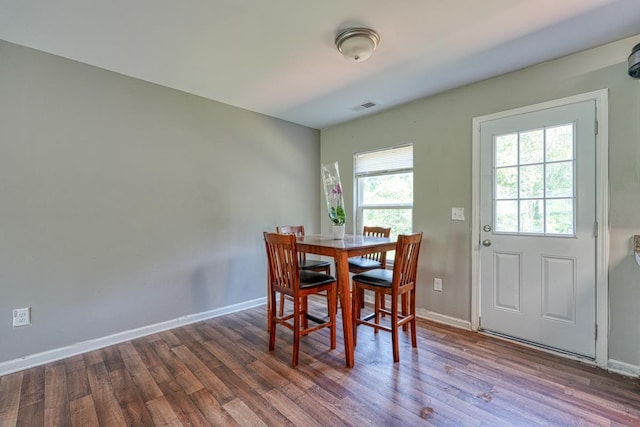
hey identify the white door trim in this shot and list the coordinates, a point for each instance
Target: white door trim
(601, 98)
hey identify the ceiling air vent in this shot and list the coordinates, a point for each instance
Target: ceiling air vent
(364, 106)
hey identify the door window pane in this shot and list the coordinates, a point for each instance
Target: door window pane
(531, 216)
(534, 181)
(531, 181)
(560, 216)
(531, 147)
(559, 143)
(506, 150)
(507, 183)
(506, 216)
(559, 179)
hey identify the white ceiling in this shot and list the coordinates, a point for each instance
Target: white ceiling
(277, 57)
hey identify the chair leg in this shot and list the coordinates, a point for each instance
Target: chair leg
(332, 298)
(394, 329)
(404, 298)
(268, 306)
(355, 312)
(412, 307)
(272, 320)
(305, 310)
(281, 308)
(376, 310)
(296, 332)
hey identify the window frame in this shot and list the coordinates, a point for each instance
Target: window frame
(359, 191)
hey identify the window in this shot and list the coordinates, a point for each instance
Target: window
(384, 189)
(534, 179)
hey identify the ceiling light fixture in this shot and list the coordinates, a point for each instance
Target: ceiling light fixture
(357, 44)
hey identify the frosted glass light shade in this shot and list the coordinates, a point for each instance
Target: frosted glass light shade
(357, 44)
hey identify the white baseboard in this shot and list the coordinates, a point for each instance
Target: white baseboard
(83, 347)
(95, 344)
(422, 313)
(425, 314)
(615, 366)
(623, 368)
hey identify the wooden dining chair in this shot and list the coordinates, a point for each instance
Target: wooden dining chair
(370, 261)
(400, 284)
(304, 263)
(286, 278)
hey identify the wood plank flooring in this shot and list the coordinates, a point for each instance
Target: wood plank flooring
(220, 373)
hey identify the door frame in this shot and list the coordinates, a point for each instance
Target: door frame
(601, 98)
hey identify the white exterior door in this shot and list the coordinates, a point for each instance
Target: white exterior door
(538, 227)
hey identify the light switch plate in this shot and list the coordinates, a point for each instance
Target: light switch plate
(457, 214)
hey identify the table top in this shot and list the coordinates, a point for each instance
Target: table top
(350, 241)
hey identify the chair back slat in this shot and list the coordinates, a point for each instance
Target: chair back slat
(296, 230)
(381, 257)
(406, 261)
(282, 257)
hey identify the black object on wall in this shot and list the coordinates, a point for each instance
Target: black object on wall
(634, 62)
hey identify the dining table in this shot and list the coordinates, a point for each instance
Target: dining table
(341, 250)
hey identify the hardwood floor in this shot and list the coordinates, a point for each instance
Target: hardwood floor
(220, 372)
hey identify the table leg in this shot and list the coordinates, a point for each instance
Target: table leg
(344, 289)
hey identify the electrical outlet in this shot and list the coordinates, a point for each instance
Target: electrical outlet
(437, 284)
(21, 317)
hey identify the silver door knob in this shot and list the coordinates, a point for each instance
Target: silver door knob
(486, 242)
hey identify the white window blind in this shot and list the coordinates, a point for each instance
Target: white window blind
(391, 159)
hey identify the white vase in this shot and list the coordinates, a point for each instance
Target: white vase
(338, 231)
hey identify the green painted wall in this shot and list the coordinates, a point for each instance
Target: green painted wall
(125, 204)
(440, 129)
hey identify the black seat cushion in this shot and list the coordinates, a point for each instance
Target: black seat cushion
(377, 277)
(364, 263)
(309, 279)
(311, 264)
